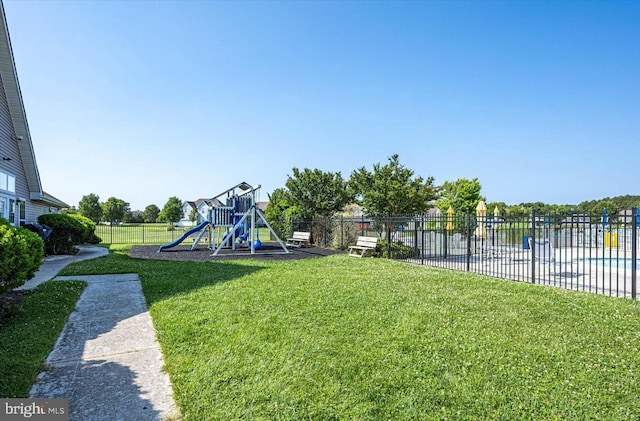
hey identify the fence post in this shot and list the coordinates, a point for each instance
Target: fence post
(446, 246)
(634, 251)
(415, 236)
(468, 242)
(422, 226)
(388, 237)
(533, 246)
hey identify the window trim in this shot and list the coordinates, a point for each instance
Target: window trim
(7, 182)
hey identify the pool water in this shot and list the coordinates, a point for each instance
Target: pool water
(612, 262)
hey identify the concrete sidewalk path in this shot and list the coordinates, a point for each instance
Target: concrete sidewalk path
(107, 360)
(54, 264)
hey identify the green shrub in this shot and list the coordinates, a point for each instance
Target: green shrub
(90, 236)
(68, 230)
(397, 250)
(21, 253)
(344, 234)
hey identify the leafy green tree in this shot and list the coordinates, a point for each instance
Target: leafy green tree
(540, 208)
(114, 209)
(562, 209)
(491, 206)
(391, 189)
(608, 204)
(133, 217)
(193, 215)
(150, 213)
(317, 193)
(90, 207)
(71, 210)
(626, 202)
(280, 212)
(517, 210)
(462, 195)
(172, 211)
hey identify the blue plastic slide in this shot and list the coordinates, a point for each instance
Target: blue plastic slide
(185, 235)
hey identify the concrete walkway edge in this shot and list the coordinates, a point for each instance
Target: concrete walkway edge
(107, 360)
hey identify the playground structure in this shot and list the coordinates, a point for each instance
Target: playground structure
(201, 229)
(232, 217)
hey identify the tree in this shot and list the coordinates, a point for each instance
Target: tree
(172, 211)
(279, 212)
(193, 215)
(462, 195)
(114, 209)
(90, 207)
(133, 217)
(71, 210)
(491, 207)
(150, 213)
(317, 193)
(608, 204)
(391, 189)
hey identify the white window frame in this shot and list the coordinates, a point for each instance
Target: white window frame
(6, 210)
(4, 207)
(7, 182)
(20, 219)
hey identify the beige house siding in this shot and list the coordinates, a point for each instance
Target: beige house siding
(35, 210)
(10, 160)
(17, 157)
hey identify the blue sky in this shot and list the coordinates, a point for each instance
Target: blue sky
(143, 100)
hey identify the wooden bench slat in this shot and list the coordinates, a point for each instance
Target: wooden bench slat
(298, 239)
(364, 246)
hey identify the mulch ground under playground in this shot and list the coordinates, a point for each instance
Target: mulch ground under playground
(269, 251)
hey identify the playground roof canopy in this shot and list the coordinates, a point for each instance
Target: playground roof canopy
(244, 187)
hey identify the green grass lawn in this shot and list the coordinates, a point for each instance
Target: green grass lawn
(27, 337)
(344, 338)
(154, 234)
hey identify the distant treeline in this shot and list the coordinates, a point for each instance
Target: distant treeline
(613, 205)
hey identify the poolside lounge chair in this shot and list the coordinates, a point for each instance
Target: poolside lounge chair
(542, 248)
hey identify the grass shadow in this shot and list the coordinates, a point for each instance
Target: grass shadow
(162, 280)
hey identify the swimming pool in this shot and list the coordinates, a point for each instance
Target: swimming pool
(611, 262)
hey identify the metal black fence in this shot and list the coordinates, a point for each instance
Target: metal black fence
(153, 234)
(592, 253)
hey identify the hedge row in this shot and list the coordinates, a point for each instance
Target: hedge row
(68, 230)
(21, 253)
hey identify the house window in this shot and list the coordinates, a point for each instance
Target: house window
(22, 212)
(12, 212)
(7, 182)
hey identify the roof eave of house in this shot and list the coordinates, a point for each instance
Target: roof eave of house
(48, 200)
(16, 109)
